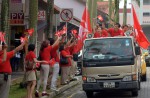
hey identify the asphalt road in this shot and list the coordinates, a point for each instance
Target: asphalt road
(76, 92)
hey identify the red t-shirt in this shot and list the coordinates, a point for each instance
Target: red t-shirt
(5, 66)
(30, 56)
(54, 53)
(64, 53)
(46, 53)
(73, 49)
(115, 33)
(104, 34)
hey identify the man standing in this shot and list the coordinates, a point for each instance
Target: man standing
(116, 31)
(6, 71)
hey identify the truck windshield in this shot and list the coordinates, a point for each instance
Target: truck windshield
(111, 51)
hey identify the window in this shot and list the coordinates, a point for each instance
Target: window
(145, 14)
(146, 2)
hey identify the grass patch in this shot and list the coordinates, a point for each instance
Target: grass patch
(17, 92)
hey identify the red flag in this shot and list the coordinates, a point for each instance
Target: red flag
(22, 39)
(140, 36)
(85, 28)
(2, 37)
(58, 33)
(30, 31)
(100, 17)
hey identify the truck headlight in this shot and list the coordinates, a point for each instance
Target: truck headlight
(90, 79)
(127, 78)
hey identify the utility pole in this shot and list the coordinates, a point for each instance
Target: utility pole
(125, 13)
(50, 13)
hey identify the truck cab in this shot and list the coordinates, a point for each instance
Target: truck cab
(111, 63)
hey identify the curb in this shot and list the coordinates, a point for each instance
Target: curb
(62, 89)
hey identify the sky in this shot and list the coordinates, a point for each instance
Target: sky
(122, 4)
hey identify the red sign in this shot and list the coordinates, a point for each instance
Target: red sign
(17, 18)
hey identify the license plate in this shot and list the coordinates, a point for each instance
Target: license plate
(109, 84)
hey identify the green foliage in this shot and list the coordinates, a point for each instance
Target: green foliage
(16, 92)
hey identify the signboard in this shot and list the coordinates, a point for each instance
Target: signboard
(66, 14)
(16, 18)
(41, 15)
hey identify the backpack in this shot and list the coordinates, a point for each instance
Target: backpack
(29, 65)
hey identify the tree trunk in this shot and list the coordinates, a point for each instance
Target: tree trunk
(117, 11)
(50, 13)
(4, 18)
(110, 12)
(125, 13)
(33, 10)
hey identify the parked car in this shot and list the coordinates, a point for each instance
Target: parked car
(147, 56)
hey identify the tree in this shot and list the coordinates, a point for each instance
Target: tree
(116, 10)
(33, 10)
(4, 17)
(125, 12)
(50, 13)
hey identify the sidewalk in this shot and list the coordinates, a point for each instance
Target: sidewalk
(17, 78)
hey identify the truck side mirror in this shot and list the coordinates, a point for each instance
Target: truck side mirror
(137, 50)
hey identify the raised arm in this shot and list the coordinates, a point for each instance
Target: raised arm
(5, 53)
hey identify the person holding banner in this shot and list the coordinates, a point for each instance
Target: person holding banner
(6, 71)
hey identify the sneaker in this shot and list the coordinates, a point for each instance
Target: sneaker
(45, 94)
(36, 93)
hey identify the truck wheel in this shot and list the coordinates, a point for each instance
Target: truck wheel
(89, 94)
(135, 93)
(144, 77)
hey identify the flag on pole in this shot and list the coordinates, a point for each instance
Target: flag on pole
(2, 37)
(100, 17)
(22, 39)
(30, 31)
(85, 28)
(139, 34)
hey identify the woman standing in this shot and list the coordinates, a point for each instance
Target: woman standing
(44, 71)
(30, 75)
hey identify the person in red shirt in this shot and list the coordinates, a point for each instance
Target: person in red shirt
(45, 55)
(6, 71)
(65, 68)
(4, 53)
(116, 31)
(54, 54)
(100, 33)
(30, 75)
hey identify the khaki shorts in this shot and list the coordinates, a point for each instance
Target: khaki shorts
(30, 76)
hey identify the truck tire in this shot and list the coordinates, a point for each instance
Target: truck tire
(135, 93)
(89, 94)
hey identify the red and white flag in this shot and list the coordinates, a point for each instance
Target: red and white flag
(2, 37)
(22, 39)
(139, 34)
(85, 28)
(100, 17)
(30, 31)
